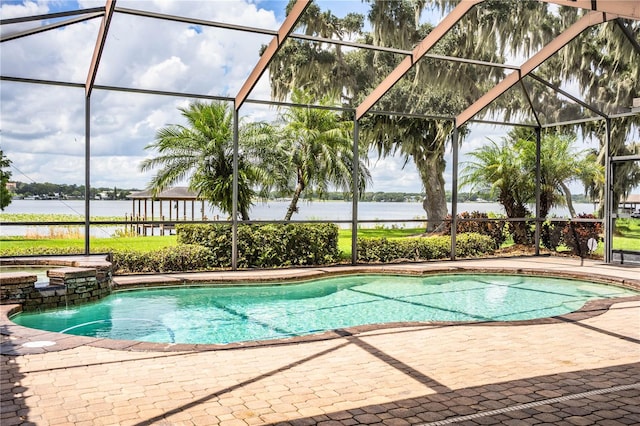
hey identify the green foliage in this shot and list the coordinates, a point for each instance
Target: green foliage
(5, 175)
(423, 248)
(203, 151)
(49, 190)
(499, 167)
(216, 237)
(350, 75)
(315, 150)
(16, 246)
(627, 234)
(471, 245)
(51, 217)
(39, 250)
(183, 258)
(508, 169)
(551, 234)
(495, 229)
(391, 197)
(263, 246)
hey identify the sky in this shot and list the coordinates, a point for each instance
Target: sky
(42, 128)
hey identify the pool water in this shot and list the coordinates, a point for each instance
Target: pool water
(42, 280)
(245, 313)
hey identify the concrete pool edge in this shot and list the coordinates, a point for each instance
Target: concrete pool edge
(16, 337)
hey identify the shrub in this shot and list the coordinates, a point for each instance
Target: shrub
(522, 232)
(576, 234)
(551, 234)
(216, 237)
(474, 245)
(185, 257)
(270, 245)
(495, 229)
(422, 248)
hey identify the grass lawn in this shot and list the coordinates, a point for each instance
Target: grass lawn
(98, 245)
(103, 245)
(627, 235)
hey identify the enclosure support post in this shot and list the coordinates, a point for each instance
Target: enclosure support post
(87, 174)
(608, 188)
(234, 209)
(355, 193)
(454, 190)
(538, 182)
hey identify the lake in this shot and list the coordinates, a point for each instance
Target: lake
(402, 214)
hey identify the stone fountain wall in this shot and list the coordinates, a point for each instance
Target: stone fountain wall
(70, 285)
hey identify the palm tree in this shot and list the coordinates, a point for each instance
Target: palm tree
(490, 31)
(598, 53)
(323, 69)
(509, 169)
(499, 169)
(316, 151)
(202, 152)
(560, 164)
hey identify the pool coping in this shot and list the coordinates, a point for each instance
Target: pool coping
(14, 337)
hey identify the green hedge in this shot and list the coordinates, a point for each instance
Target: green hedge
(422, 248)
(185, 257)
(265, 246)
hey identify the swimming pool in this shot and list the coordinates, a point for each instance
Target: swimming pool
(218, 315)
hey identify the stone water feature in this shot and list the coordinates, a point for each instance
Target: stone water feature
(72, 281)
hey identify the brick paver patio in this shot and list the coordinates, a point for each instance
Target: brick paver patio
(574, 370)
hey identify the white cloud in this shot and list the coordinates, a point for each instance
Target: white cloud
(163, 76)
(43, 127)
(392, 175)
(109, 171)
(56, 169)
(12, 10)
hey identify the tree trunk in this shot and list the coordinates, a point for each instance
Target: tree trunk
(431, 168)
(567, 196)
(244, 214)
(293, 206)
(515, 210)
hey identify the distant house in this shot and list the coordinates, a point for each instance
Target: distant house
(630, 204)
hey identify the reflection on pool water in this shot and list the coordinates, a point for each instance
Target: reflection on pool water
(246, 313)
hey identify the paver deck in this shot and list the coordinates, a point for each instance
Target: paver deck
(569, 370)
